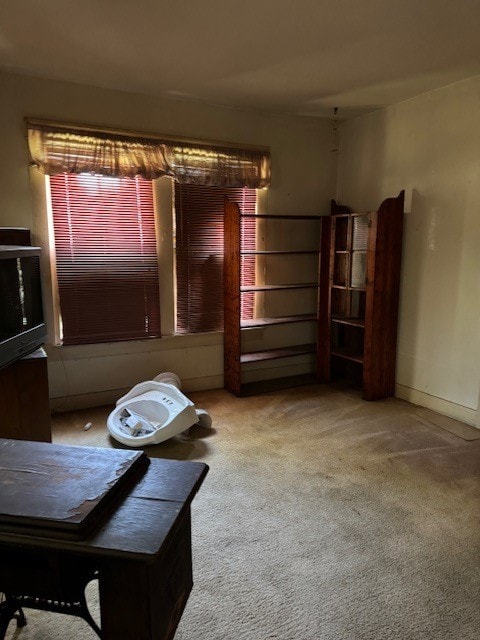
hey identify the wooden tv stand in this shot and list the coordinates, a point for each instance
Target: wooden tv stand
(24, 399)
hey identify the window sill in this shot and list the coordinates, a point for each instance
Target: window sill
(166, 343)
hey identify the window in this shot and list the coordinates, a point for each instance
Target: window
(104, 228)
(199, 254)
(106, 258)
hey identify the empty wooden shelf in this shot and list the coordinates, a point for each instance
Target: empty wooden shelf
(265, 322)
(280, 352)
(278, 287)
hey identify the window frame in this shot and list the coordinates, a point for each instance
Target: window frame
(42, 229)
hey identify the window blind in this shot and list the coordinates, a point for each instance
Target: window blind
(199, 254)
(106, 258)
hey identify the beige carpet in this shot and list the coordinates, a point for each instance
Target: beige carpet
(323, 518)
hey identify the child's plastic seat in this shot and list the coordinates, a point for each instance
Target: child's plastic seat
(154, 411)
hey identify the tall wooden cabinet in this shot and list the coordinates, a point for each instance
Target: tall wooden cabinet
(235, 356)
(359, 305)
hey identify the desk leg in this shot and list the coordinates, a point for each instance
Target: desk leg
(145, 601)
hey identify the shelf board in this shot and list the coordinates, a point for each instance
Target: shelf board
(346, 355)
(269, 216)
(313, 252)
(276, 384)
(273, 354)
(354, 322)
(265, 322)
(345, 288)
(273, 287)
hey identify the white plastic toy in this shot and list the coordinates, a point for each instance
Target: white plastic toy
(154, 411)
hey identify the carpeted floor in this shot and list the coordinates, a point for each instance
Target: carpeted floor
(323, 517)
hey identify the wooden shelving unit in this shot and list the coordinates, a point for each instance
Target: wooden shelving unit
(359, 301)
(359, 259)
(234, 325)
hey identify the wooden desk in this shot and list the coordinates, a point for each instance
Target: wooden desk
(141, 554)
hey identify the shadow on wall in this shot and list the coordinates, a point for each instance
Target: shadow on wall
(208, 279)
(429, 291)
(362, 175)
(212, 283)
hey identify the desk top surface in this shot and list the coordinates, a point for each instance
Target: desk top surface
(61, 487)
(141, 523)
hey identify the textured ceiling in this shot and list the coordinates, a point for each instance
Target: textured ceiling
(283, 56)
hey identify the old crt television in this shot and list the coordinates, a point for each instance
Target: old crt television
(22, 323)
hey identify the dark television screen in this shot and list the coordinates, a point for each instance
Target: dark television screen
(21, 299)
(22, 326)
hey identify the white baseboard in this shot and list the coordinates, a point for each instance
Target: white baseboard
(87, 400)
(73, 402)
(445, 407)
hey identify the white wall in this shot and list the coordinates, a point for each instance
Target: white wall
(304, 178)
(429, 146)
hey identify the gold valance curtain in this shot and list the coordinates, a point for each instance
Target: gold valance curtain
(60, 150)
(217, 167)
